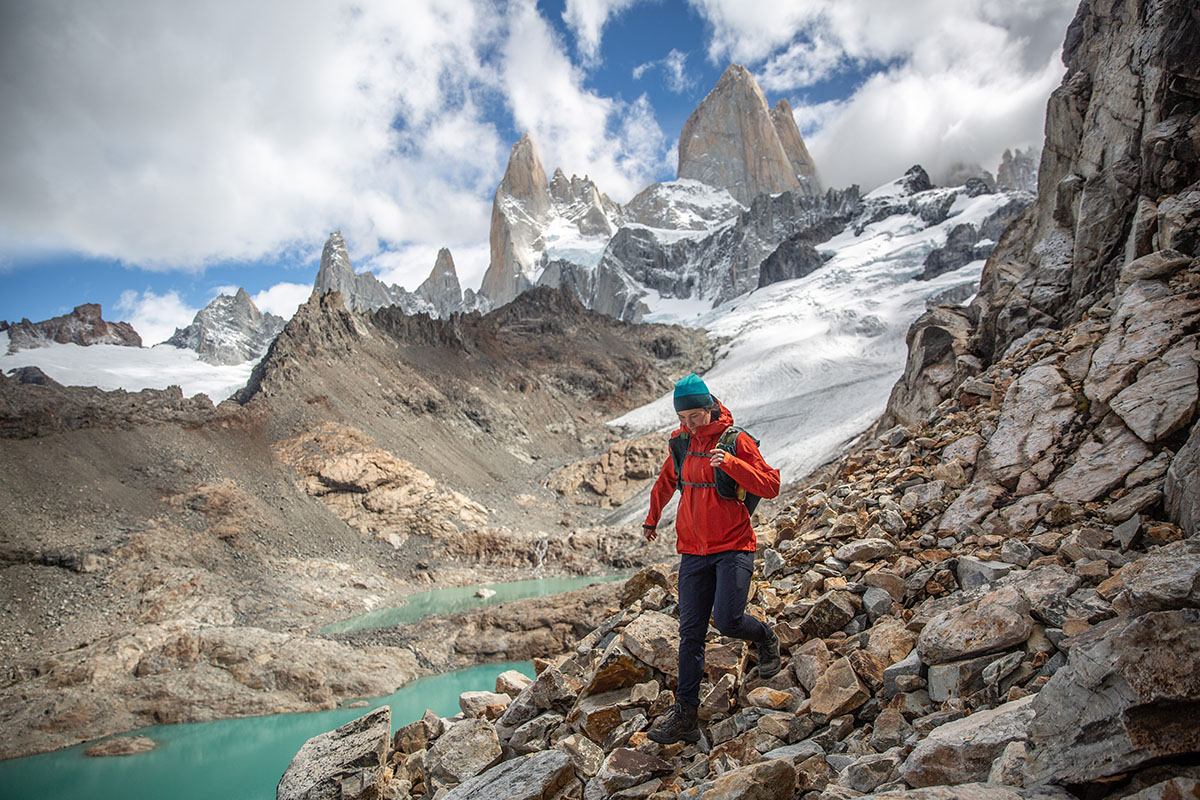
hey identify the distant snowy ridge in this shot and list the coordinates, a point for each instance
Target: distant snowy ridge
(229, 330)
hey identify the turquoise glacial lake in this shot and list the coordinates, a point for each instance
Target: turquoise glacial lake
(235, 759)
(461, 598)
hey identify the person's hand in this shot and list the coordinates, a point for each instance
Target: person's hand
(717, 457)
(650, 532)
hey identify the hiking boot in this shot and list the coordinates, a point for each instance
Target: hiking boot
(768, 656)
(681, 726)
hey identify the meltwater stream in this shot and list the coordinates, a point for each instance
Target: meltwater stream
(243, 759)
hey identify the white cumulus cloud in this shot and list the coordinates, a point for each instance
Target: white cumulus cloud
(155, 316)
(282, 299)
(946, 80)
(587, 18)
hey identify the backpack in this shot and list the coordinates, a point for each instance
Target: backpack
(726, 486)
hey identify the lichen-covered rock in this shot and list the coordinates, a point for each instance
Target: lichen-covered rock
(995, 622)
(345, 764)
(1126, 696)
(464, 751)
(1037, 410)
(962, 751)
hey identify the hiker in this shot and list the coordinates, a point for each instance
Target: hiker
(721, 475)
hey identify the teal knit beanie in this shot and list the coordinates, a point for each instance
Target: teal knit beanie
(690, 392)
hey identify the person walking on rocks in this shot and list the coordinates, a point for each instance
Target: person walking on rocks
(715, 466)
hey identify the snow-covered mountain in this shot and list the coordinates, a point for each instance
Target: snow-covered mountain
(229, 330)
(808, 363)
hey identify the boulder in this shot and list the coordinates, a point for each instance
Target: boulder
(623, 768)
(997, 621)
(533, 777)
(768, 780)
(973, 573)
(838, 691)
(586, 756)
(809, 662)
(462, 752)
(1165, 579)
(346, 763)
(1128, 694)
(478, 704)
(971, 506)
(654, 639)
(831, 612)
(962, 751)
(957, 678)
(869, 772)
(865, 550)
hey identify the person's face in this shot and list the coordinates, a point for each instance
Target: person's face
(694, 418)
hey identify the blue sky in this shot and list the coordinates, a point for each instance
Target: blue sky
(155, 154)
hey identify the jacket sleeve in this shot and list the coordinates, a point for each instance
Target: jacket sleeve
(664, 487)
(749, 469)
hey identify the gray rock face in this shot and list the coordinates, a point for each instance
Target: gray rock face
(523, 207)
(83, 326)
(682, 205)
(464, 751)
(533, 777)
(995, 622)
(1037, 409)
(1182, 487)
(1117, 133)
(1127, 695)
(1018, 170)
(732, 141)
(1167, 579)
(1101, 464)
(962, 751)
(438, 296)
(344, 764)
(229, 330)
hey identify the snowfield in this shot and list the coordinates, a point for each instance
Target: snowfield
(110, 366)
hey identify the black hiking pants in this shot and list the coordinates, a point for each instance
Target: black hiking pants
(713, 585)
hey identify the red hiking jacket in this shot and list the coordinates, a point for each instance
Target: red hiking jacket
(708, 523)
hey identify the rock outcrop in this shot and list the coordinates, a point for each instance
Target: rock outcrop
(229, 330)
(523, 210)
(734, 141)
(84, 326)
(1017, 171)
(441, 289)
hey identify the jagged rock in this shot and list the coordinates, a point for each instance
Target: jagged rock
(617, 669)
(441, 290)
(978, 791)
(794, 258)
(973, 573)
(623, 768)
(830, 612)
(1017, 170)
(732, 141)
(586, 756)
(1167, 579)
(1125, 697)
(1181, 490)
(478, 704)
(998, 620)
(533, 735)
(533, 777)
(1038, 408)
(935, 342)
(1147, 322)
(1100, 465)
(957, 678)
(654, 638)
(466, 750)
(1162, 399)
(865, 550)
(83, 326)
(976, 502)
(770, 780)
(838, 691)
(358, 292)
(869, 772)
(511, 682)
(1168, 790)
(890, 730)
(1009, 766)
(345, 763)
(962, 751)
(521, 205)
(809, 662)
(596, 715)
(229, 330)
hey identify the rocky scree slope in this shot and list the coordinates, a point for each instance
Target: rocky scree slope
(992, 596)
(162, 560)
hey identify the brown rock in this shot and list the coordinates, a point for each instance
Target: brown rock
(997, 621)
(770, 780)
(654, 638)
(838, 691)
